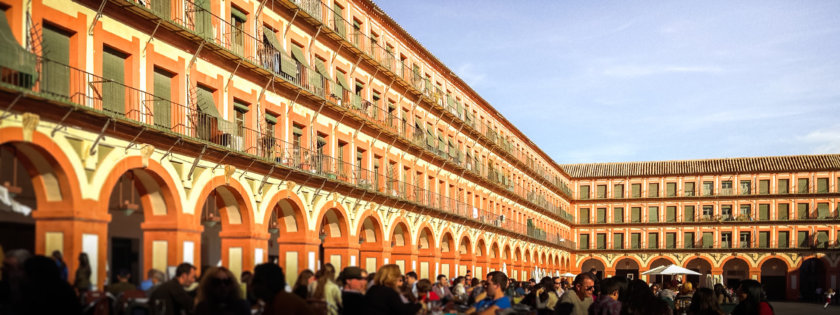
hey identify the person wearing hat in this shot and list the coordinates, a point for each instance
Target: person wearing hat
(354, 280)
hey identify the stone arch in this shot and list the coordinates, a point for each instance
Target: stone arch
(333, 220)
(627, 262)
(232, 196)
(369, 229)
(660, 261)
(735, 269)
(400, 233)
(494, 253)
(159, 193)
(593, 262)
(773, 277)
(426, 239)
(480, 248)
(465, 247)
(288, 210)
(53, 174)
(447, 244)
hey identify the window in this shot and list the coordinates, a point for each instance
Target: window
(376, 172)
(618, 241)
(688, 239)
(237, 36)
(782, 211)
(764, 212)
(601, 192)
(584, 192)
(338, 20)
(726, 187)
(688, 214)
(708, 212)
(601, 241)
(764, 187)
(801, 211)
(341, 160)
(208, 115)
(671, 189)
(653, 240)
(726, 212)
(744, 240)
(636, 214)
(671, 214)
(802, 239)
(618, 191)
(802, 186)
(239, 111)
(783, 186)
(745, 187)
(601, 215)
(653, 190)
(822, 185)
(708, 188)
(746, 212)
(783, 240)
(653, 214)
(708, 238)
(162, 111)
(55, 46)
(670, 240)
(162, 8)
(763, 239)
(725, 239)
(113, 89)
(635, 240)
(618, 215)
(822, 210)
(822, 239)
(360, 154)
(583, 216)
(320, 154)
(204, 19)
(689, 189)
(297, 142)
(583, 241)
(636, 190)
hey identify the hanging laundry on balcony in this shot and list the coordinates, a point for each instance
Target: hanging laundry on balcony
(8, 203)
(15, 58)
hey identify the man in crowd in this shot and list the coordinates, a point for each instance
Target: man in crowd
(577, 302)
(558, 286)
(154, 279)
(352, 294)
(496, 299)
(607, 303)
(122, 284)
(441, 288)
(171, 295)
(411, 281)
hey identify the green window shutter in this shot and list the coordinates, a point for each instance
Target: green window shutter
(764, 187)
(763, 239)
(783, 186)
(601, 240)
(601, 215)
(802, 238)
(671, 214)
(802, 186)
(783, 211)
(822, 185)
(163, 93)
(636, 190)
(601, 191)
(653, 240)
(688, 214)
(635, 214)
(618, 241)
(235, 12)
(297, 53)
(764, 212)
(783, 240)
(653, 190)
(206, 103)
(671, 189)
(822, 210)
(56, 74)
(342, 82)
(430, 137)
(271, 118)
(635, 240)
(113, 90)
(618, 191)
(584, 192)
(338, 20)
(584, 241)
(15, 57)
(689, 189)
(162, 8)
(618, 215)
(708, 239)
(670, 240)
(239, 106)
(801, 211)
(688, 240)
(653, 214)
(203, 19)
(441, 143)
(321, 68)
(822, 239)
(583, 216)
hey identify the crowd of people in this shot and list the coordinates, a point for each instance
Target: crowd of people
(39, 285)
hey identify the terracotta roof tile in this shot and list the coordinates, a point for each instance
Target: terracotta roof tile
(709, 166)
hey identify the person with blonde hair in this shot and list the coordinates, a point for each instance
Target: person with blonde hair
(325, 290)
(219, 293)
(384, 296)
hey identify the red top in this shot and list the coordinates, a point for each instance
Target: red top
(431, 296)
(764, 309)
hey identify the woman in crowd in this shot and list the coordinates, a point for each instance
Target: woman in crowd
(459, 291)
(59, 262)
(752, 299)
(384, 296)
(545, 297)
(82, 280)
(704, 302)
(219, 293)
(301, 287)
(325, 290)
(720, 294)
(641, 300)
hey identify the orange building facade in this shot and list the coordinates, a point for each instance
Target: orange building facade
(152, 132)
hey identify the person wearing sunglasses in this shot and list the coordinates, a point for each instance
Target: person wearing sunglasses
(577, 302)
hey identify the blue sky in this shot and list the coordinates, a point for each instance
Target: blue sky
(598, 81)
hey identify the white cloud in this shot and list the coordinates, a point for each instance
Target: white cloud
(825, 140)
(469, 74)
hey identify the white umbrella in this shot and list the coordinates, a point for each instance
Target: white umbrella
(677, 270)
(568, 274)
(654, 271)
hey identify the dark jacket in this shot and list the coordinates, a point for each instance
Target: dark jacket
(235, 307)
(352, 303)
(173, 298)
(380, 299)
